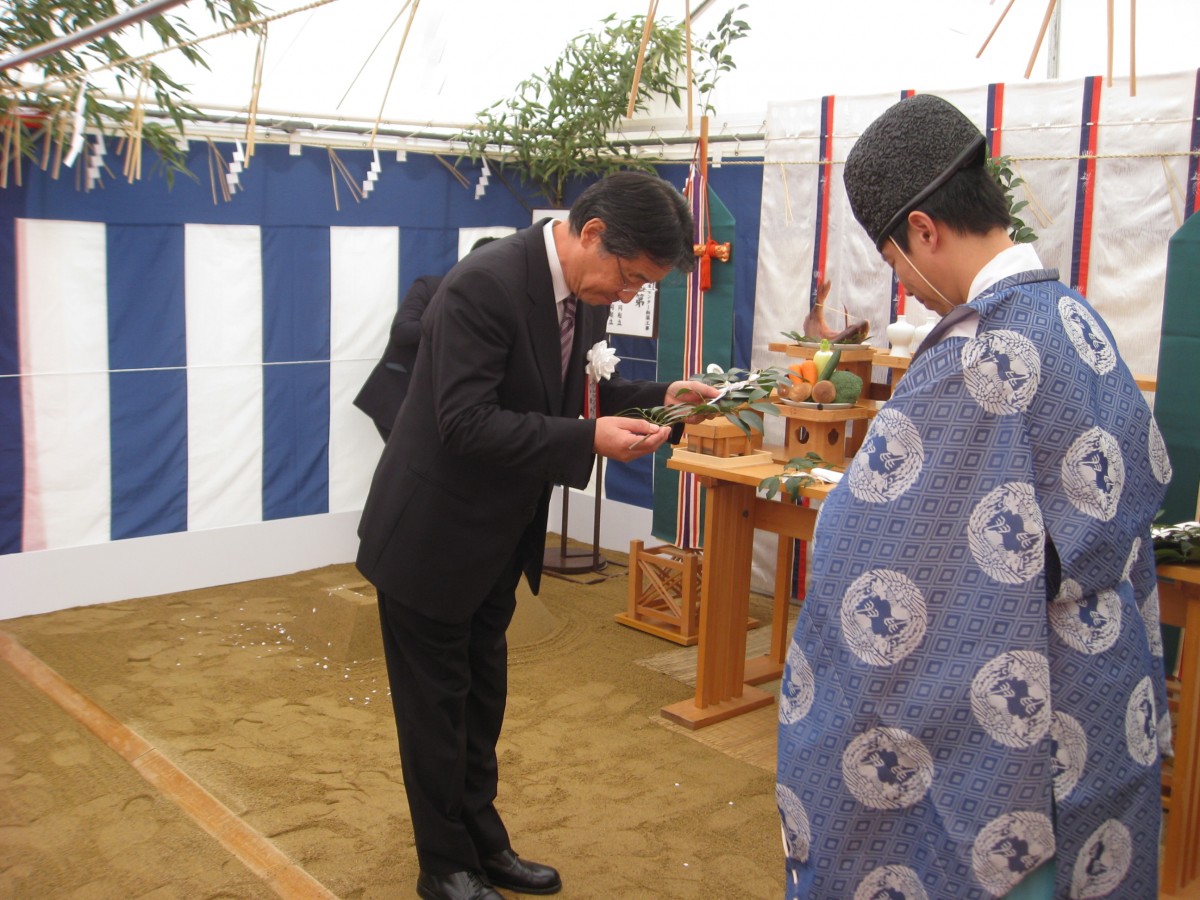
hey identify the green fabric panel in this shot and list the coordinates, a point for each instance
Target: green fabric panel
(1179, 372)
(716, 344)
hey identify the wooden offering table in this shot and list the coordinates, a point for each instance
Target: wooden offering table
(733, 512)
(824, 430)
(1179, 604)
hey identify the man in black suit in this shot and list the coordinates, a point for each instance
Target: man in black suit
(458, 505)
(383, 391)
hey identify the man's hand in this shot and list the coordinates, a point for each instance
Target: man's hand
(627, 439)
(690, 392)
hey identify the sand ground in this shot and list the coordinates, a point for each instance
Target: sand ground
(271, 696)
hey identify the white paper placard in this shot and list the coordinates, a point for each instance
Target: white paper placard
(638, 317)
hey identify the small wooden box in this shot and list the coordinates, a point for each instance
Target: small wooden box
(720, 438)
(664, 593)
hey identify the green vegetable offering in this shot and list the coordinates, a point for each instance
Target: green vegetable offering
(826, 359)
(849, 386)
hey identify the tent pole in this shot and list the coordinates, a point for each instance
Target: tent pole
(112, 23)
(1054, 43)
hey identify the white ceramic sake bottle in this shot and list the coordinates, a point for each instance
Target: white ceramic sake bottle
(901, 334)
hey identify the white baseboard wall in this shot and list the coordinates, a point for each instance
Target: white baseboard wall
(46, 580)
(43, 581)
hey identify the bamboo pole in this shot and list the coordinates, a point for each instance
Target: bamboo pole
(1108, 70)
(1132, 48)
(255, 90)
(988, 40)
(403, 40)
(95, 30)
(687, 20)
(637, 72)
(1041, 36)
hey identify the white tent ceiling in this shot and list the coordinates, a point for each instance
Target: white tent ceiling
(462, 55)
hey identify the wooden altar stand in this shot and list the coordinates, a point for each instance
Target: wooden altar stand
(1179, 604)
(724, 676)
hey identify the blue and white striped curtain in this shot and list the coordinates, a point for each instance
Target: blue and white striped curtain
(185, 377)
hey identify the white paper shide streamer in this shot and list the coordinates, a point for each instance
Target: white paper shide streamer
(368, 184)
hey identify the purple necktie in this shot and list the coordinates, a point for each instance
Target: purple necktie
(566, 333)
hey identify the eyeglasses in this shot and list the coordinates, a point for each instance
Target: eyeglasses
(627, 289)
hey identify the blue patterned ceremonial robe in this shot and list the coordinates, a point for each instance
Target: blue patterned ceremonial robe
(975, 683)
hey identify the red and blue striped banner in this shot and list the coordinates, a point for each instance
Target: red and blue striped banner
(995, 118)
(687, 513)
(1193, 181)
(824, 178)
(1085, 193)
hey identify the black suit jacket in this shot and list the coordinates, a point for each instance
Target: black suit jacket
(383, 391)
(487, 429)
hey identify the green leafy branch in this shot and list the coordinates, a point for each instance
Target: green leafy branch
(555, 125)
(1000, 168)
(1177, 543)
(715, 57)
(47, 109)
(790, 480)
(743, 400)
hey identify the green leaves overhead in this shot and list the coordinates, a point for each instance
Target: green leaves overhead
(556, 125)
(47, 107)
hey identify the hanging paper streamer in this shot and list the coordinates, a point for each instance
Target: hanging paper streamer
(233, 176)
(484, 174)
(372, 174)
(95, 162)
(77, 125)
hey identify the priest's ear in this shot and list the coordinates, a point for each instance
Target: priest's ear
(922, 230)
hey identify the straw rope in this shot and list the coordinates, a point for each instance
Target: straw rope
(1165, 154)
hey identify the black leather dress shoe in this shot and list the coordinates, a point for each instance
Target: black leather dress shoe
(507, 870)
(455, 886)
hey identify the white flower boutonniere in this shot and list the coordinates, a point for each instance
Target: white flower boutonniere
(601, 362)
